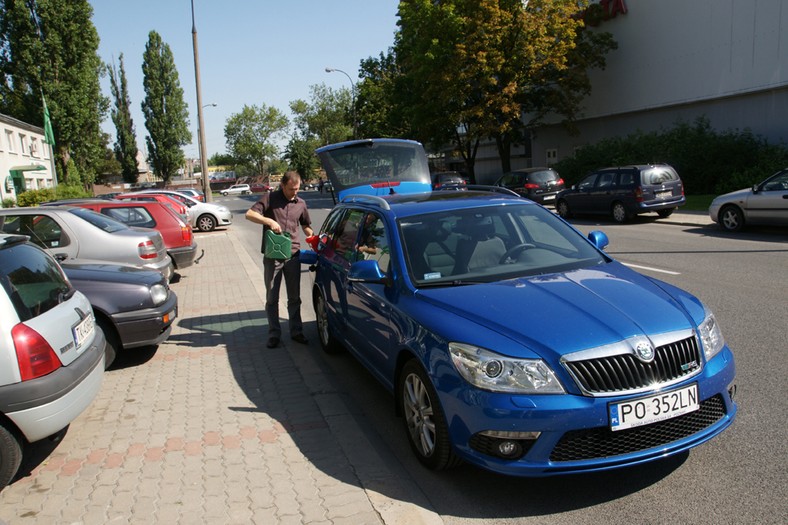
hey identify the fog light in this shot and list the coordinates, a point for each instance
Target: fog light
(509, 448)
(732, 391)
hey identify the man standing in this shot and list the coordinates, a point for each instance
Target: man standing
(282, 211)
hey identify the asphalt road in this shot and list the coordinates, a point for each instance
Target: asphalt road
(739, 477)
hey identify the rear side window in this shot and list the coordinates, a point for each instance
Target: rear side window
(131, 215)
(99, 221)
(658, 175)
(32, 280)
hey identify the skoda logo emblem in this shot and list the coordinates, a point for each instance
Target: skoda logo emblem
(645, 352)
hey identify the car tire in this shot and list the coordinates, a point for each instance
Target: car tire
(731, 218)
(10, 456)
(562, 207)
(206, 223)
(619, 212)
(113, 341)
(328, 342)
(425, 424)
(664, 214)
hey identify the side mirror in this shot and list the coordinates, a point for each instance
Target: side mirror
(367, 272)
(755, 188)
(598, 239)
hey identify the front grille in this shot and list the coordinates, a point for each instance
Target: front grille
(625, 372)
(602, 442)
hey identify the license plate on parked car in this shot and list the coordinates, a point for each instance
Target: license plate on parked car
(653, 409)
(549, 197)
(83, 330)
(663, 194)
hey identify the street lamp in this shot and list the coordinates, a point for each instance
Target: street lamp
(199, 142)
(206, 185)
(352, 94)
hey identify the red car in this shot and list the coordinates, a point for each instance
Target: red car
(177, 234)
(175, 205)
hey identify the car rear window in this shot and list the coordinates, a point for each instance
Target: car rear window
(659, 175)
(32, 280)
(543, 176)
(98, 220)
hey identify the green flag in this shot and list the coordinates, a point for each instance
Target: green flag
(49, 135)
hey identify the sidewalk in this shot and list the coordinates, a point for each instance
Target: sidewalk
(215, 428)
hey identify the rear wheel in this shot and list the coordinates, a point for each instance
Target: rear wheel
(619, 212)
(664, 214)
(425, 423)
(10, 456)
(563, 209)
(731, 218)
(206, 223)
(327, 341)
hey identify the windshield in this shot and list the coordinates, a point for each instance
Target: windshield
(490, 244)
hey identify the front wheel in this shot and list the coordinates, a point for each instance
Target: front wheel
(425, 423)
(619, 212)
(10, 456)
(113, 341)
(206, 223)
(563, 209)
(731, 219)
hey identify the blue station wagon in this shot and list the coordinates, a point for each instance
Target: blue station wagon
(508, 339)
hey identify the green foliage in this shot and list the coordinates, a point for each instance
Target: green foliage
(166, 113)
(251, 136)
(708, 161)
(50, 47)
(300, 153)
(328, 116)
(221, 159)
(9, 203)
(63, 191)
(126, 142)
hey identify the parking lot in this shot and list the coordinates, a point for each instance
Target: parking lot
(213, 427)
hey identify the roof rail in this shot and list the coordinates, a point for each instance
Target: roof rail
(479, 187)
(368, 199)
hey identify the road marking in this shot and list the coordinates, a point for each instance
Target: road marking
(650, 269)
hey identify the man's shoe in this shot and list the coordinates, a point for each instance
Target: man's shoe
(273, 342)
(300, 338)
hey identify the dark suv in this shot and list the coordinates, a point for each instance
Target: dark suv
(538, 184)
(624, 192)
(447, 179)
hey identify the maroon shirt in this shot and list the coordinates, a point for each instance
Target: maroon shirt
(290, 214)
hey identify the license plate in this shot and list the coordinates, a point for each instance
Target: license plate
(83, 330)
(549, 197)
(653, 409)
(663, 194)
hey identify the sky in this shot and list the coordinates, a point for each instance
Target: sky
(251, 52)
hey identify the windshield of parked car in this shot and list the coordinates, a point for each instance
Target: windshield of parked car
(99, 221)
(491, 243)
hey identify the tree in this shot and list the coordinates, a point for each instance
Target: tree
(166, 113)
(470, 68)
(251, 135)
(221, 159)
(49, 48)
(376, 100)
(126, 142)
(328, 116)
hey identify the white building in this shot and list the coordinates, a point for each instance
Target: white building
(677, 60)
(25, 159)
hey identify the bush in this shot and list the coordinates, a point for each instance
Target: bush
(9, 203)
(63, 191)
(707, 161)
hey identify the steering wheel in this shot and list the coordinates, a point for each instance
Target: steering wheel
(514, 251)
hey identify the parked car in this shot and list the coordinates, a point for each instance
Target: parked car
(538, 184)
(447, 179)
(195, 194)
(764, 203)
(132, 306)
(509, 339)
(70, 232)
(52, 353)
(177, 234)
(203, 216)
(259, 187)
(237, 189)
(179, 208)
(624, 192)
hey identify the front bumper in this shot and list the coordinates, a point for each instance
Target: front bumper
(146, 327)
(574, 430)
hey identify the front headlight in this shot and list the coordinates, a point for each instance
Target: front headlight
(490, 371)
(710, 336)
(158, 293)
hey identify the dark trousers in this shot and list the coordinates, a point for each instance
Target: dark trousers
(273, 272)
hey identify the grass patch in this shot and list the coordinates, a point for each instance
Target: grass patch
(698, 202)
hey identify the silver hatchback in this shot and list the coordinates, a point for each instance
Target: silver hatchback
(51, 351)
(68, 232)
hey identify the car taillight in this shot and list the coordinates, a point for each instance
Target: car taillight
(186, 233)
(147, 250)
(531, 186)
(639, 194)
(559, 182)
(36, 358)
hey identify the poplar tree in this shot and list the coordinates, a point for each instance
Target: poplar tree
(49, 50)
(166, 113)
(126, 139)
